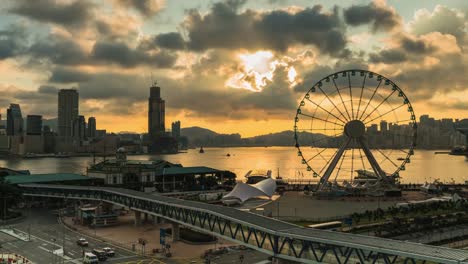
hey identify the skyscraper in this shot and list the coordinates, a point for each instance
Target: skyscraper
(67, 111)
(34, 125)
(14, 120)
(79, 127)
(383, 126)
(91, 127)
(156, 112)
(176, 129)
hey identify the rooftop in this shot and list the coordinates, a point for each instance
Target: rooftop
(45, 178)
(188, 170)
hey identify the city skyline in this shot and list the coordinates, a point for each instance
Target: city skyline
(111, 52)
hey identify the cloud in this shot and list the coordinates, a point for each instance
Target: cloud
(379, 16)
(12, 41)
(223, 27)
(58, 49)
(171, 40)
(443, 20)
(145, 7)
(406, 48)
(120, 53)
(68, 75)
(59, 12)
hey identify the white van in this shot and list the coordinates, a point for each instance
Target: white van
(90, 258)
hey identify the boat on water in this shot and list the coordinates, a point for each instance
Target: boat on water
(255, 176)
(201, 150)
(400, 158)
(228, 155)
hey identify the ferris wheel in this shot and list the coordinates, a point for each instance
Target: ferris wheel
(355, 125)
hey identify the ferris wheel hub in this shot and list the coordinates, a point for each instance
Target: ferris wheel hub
(355, 129)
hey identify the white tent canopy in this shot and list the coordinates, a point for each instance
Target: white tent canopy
(243, 192)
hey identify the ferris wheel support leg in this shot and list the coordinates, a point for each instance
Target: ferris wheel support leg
(333, 164)
(370, 157)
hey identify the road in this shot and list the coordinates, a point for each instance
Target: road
(48, 235)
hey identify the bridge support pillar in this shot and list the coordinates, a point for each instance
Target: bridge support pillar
(175, 232)
(137, 218)
(146, 218)
(157, 220)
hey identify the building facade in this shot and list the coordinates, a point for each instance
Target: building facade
(79, 128)
(176, 129)
(34, 125)
(14, 120)
(68, 110)
(156, 112)
(91, 127)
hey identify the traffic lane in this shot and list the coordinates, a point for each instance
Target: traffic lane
(35, 250)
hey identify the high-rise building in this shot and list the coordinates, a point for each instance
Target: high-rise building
(34, 125)
(156, 112)
(67, 111)
(383, 126)
(176, 129)
(92, 127)
(14, 120)
(79, 128)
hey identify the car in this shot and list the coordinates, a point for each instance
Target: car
(90, 258)
(101, 255)
(82, 242)
(109, 251)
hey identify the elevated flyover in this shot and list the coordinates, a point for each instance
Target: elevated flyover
(280, 239)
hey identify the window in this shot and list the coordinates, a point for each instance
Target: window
(114, 180)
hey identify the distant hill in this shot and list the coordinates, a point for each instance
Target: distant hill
(198, 136)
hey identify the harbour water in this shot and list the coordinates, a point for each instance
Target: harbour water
(424, 166)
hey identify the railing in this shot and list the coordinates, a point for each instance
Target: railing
(279, 239)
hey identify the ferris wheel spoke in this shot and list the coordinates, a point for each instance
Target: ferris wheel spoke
(328, 162)
(351, 95)
(339, 93)
(324, 120)
(318, 154)
(352, 161)
(330, 113)
(383, 101)
(360, 97)
(362, 159)
(333, 164)
(341, 164)
(370, 100)
(387, 158)
(382, 115)
(334, 105)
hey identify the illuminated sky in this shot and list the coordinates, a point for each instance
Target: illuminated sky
(232, 66)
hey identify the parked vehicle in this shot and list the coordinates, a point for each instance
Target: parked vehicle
(90, 258)
(82, 242)
(109, 251)
(100, 254)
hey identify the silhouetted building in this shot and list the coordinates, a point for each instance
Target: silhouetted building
(14, 120)
(383, 126)
(91, 127)
(34, 125)
(176, 129)
(79, 128)
(100, 133)
(156, 112)
(67, 111)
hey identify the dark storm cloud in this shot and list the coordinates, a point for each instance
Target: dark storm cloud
(12, 41)
(408, 49)
(120, 53)
(380, 18)
(47, 89)
(63, 13)
(58, 50)
(145, 7)
(416, 46)
(224, 27)
(67, 75)
(171, 40)
(388, 56)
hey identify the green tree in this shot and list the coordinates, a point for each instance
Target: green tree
(10, 195)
